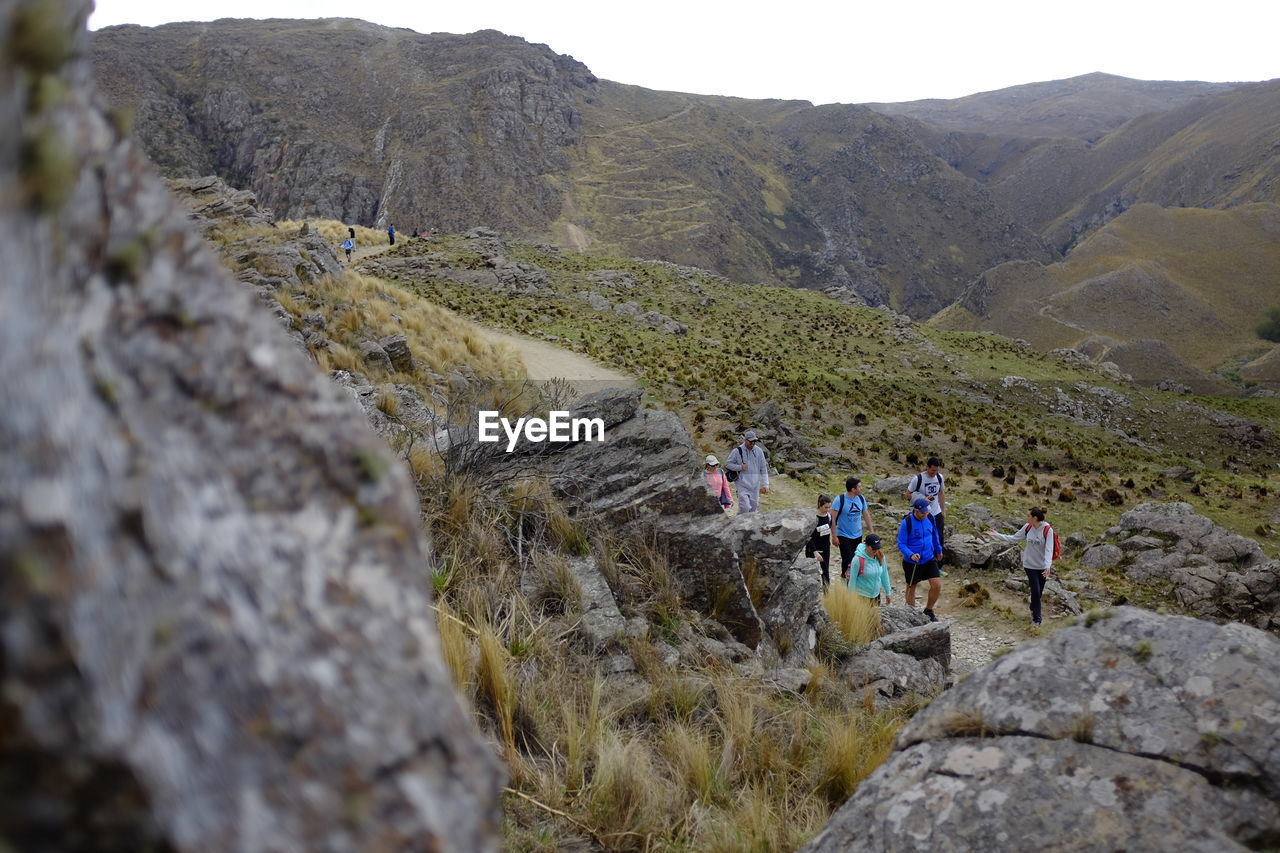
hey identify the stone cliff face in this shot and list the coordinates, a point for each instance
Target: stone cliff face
(215, 629)
(353, 121)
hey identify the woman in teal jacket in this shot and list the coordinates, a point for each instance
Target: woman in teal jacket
(868, 575)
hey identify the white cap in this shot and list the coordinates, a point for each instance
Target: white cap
(712, 460)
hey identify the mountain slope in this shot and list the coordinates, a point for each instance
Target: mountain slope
(1085, 107)
(1152, 288)
(352, 121)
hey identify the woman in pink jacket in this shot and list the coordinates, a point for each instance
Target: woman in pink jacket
(717, 482)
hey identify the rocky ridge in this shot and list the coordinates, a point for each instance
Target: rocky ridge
(215, 625)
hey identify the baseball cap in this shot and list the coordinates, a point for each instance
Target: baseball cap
(920, 503)
(750, 435)
(712, 460)
(873, 542)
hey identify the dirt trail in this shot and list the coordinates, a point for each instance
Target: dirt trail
(545, 361)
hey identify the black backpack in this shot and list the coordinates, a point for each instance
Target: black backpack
(730, 474)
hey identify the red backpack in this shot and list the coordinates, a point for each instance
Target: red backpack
(1057, 543)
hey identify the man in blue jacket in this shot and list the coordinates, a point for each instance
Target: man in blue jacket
(921, 555)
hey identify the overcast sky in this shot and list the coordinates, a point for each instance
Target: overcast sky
(826, 52)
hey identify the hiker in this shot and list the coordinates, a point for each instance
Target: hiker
(918, 543)
(851, 516)
(869, 575)
(1037, 555)
(819, 544)
(351, 232)
(928, 484)
(347, 245)
(748, 461)
(415, 234)
(717, 482)
(391, 234)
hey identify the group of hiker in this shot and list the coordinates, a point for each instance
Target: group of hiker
(845, 522)
(349, 244)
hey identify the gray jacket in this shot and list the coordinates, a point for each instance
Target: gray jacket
(751, 465)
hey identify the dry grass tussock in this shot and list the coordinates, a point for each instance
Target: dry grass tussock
(335, 232)
(356, 308)
(678, 757)
(857, 618)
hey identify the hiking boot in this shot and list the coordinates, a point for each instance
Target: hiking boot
(930, 614)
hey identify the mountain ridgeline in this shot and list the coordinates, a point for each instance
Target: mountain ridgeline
(907, 205)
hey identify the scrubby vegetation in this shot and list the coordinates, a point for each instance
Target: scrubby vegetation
(1269, 329)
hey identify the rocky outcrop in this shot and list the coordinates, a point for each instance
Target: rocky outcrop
(215, 629)
(1211, 571)
(730, 568)
(1136, 731)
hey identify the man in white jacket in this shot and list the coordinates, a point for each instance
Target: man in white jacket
(1037, 555)
(749, 461)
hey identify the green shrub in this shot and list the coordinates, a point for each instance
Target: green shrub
(1269, 329)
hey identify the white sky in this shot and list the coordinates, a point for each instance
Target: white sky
(825, 52)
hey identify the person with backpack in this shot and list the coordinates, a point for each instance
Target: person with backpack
(717, 482)
(347, 245)
(1039, 552)
(750, 470)
(819, 544)
(391, 235)
(851, 515)
(921, 555)
(869, 576)
(929, 484)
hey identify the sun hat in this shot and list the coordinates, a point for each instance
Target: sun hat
(712, 460)
(920, 503)
(750, 435)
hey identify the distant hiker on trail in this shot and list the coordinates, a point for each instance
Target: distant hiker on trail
(1037, 555)
(717, 482)
(921, 550)
(928, 484)
(851, 515)
(749, 463)
(347, 245)
(391, 234)
(869, 576)
(351, 232)
(819, 544)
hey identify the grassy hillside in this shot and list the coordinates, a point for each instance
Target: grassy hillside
(1198, 280)
(871, 395)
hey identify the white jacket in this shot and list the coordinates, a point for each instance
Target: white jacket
(1038, 552)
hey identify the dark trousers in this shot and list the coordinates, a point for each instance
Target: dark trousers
(938, 523)
(847, 548)
(1036, 580)
(821, 546)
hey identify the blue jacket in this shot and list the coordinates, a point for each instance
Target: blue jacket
(875, 574)
(918, 537)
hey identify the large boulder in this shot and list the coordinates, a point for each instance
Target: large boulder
(215, 625)
(730, 568)
(1138, 731)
